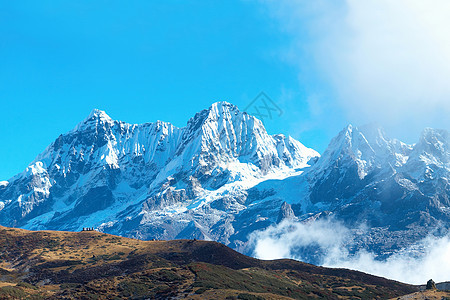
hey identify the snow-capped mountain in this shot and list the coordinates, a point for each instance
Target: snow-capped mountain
(399, 193)
(223, 177)
(124, 177)
(364, 176)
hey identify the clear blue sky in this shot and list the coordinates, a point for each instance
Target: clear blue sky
(143, 61)
(140, 61)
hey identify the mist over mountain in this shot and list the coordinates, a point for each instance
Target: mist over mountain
(222, 177)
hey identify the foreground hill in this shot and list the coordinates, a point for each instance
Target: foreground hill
(426, 295)
(94, 265)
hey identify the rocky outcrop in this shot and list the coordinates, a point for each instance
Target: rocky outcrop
(286, 213)
(431, 285)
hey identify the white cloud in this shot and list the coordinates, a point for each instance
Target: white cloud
(429, 258)
(386, 60)
(407, 265)
(283, 240)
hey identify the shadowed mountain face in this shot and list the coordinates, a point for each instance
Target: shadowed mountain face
(398, 193)
(86, 265)
(404, 185)
(222, 177)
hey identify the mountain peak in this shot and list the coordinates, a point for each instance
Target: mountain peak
(435, 142)
(95, 117)
(221, 105)
(222, 108)
(349, 128)
(371, 134)
(344, 137)
(431, 133)
(346, 134)
(98, 114)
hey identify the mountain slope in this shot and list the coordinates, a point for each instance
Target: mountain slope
(91, 264)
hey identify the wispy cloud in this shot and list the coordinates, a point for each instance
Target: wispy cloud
(379, 61)
(428, 258)
(386, 61)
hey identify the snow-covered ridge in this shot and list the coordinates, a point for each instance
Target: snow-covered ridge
(368, 147)
(140, 168)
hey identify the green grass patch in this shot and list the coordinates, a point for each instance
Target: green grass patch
(12, 292)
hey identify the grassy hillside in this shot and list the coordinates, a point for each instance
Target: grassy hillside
(93, 265)
(426, 295)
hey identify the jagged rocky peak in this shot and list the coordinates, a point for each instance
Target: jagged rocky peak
(370, 136)
(99, 117)
(215, 112)
(222, 109)
(374, 134)
(364, 140)
(347, 140)
(221, 116)
(223, 133)
(435, 141)
(349, 159)
(97, 114)
(349, 146)
(367, 147)
(430, 157)
(95, 118)
(239, 134)
(386, 149)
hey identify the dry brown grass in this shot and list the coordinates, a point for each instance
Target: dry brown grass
(80, 265)
(426, 295)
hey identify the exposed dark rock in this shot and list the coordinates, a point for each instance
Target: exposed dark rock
(431, 285)
(286, 212)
